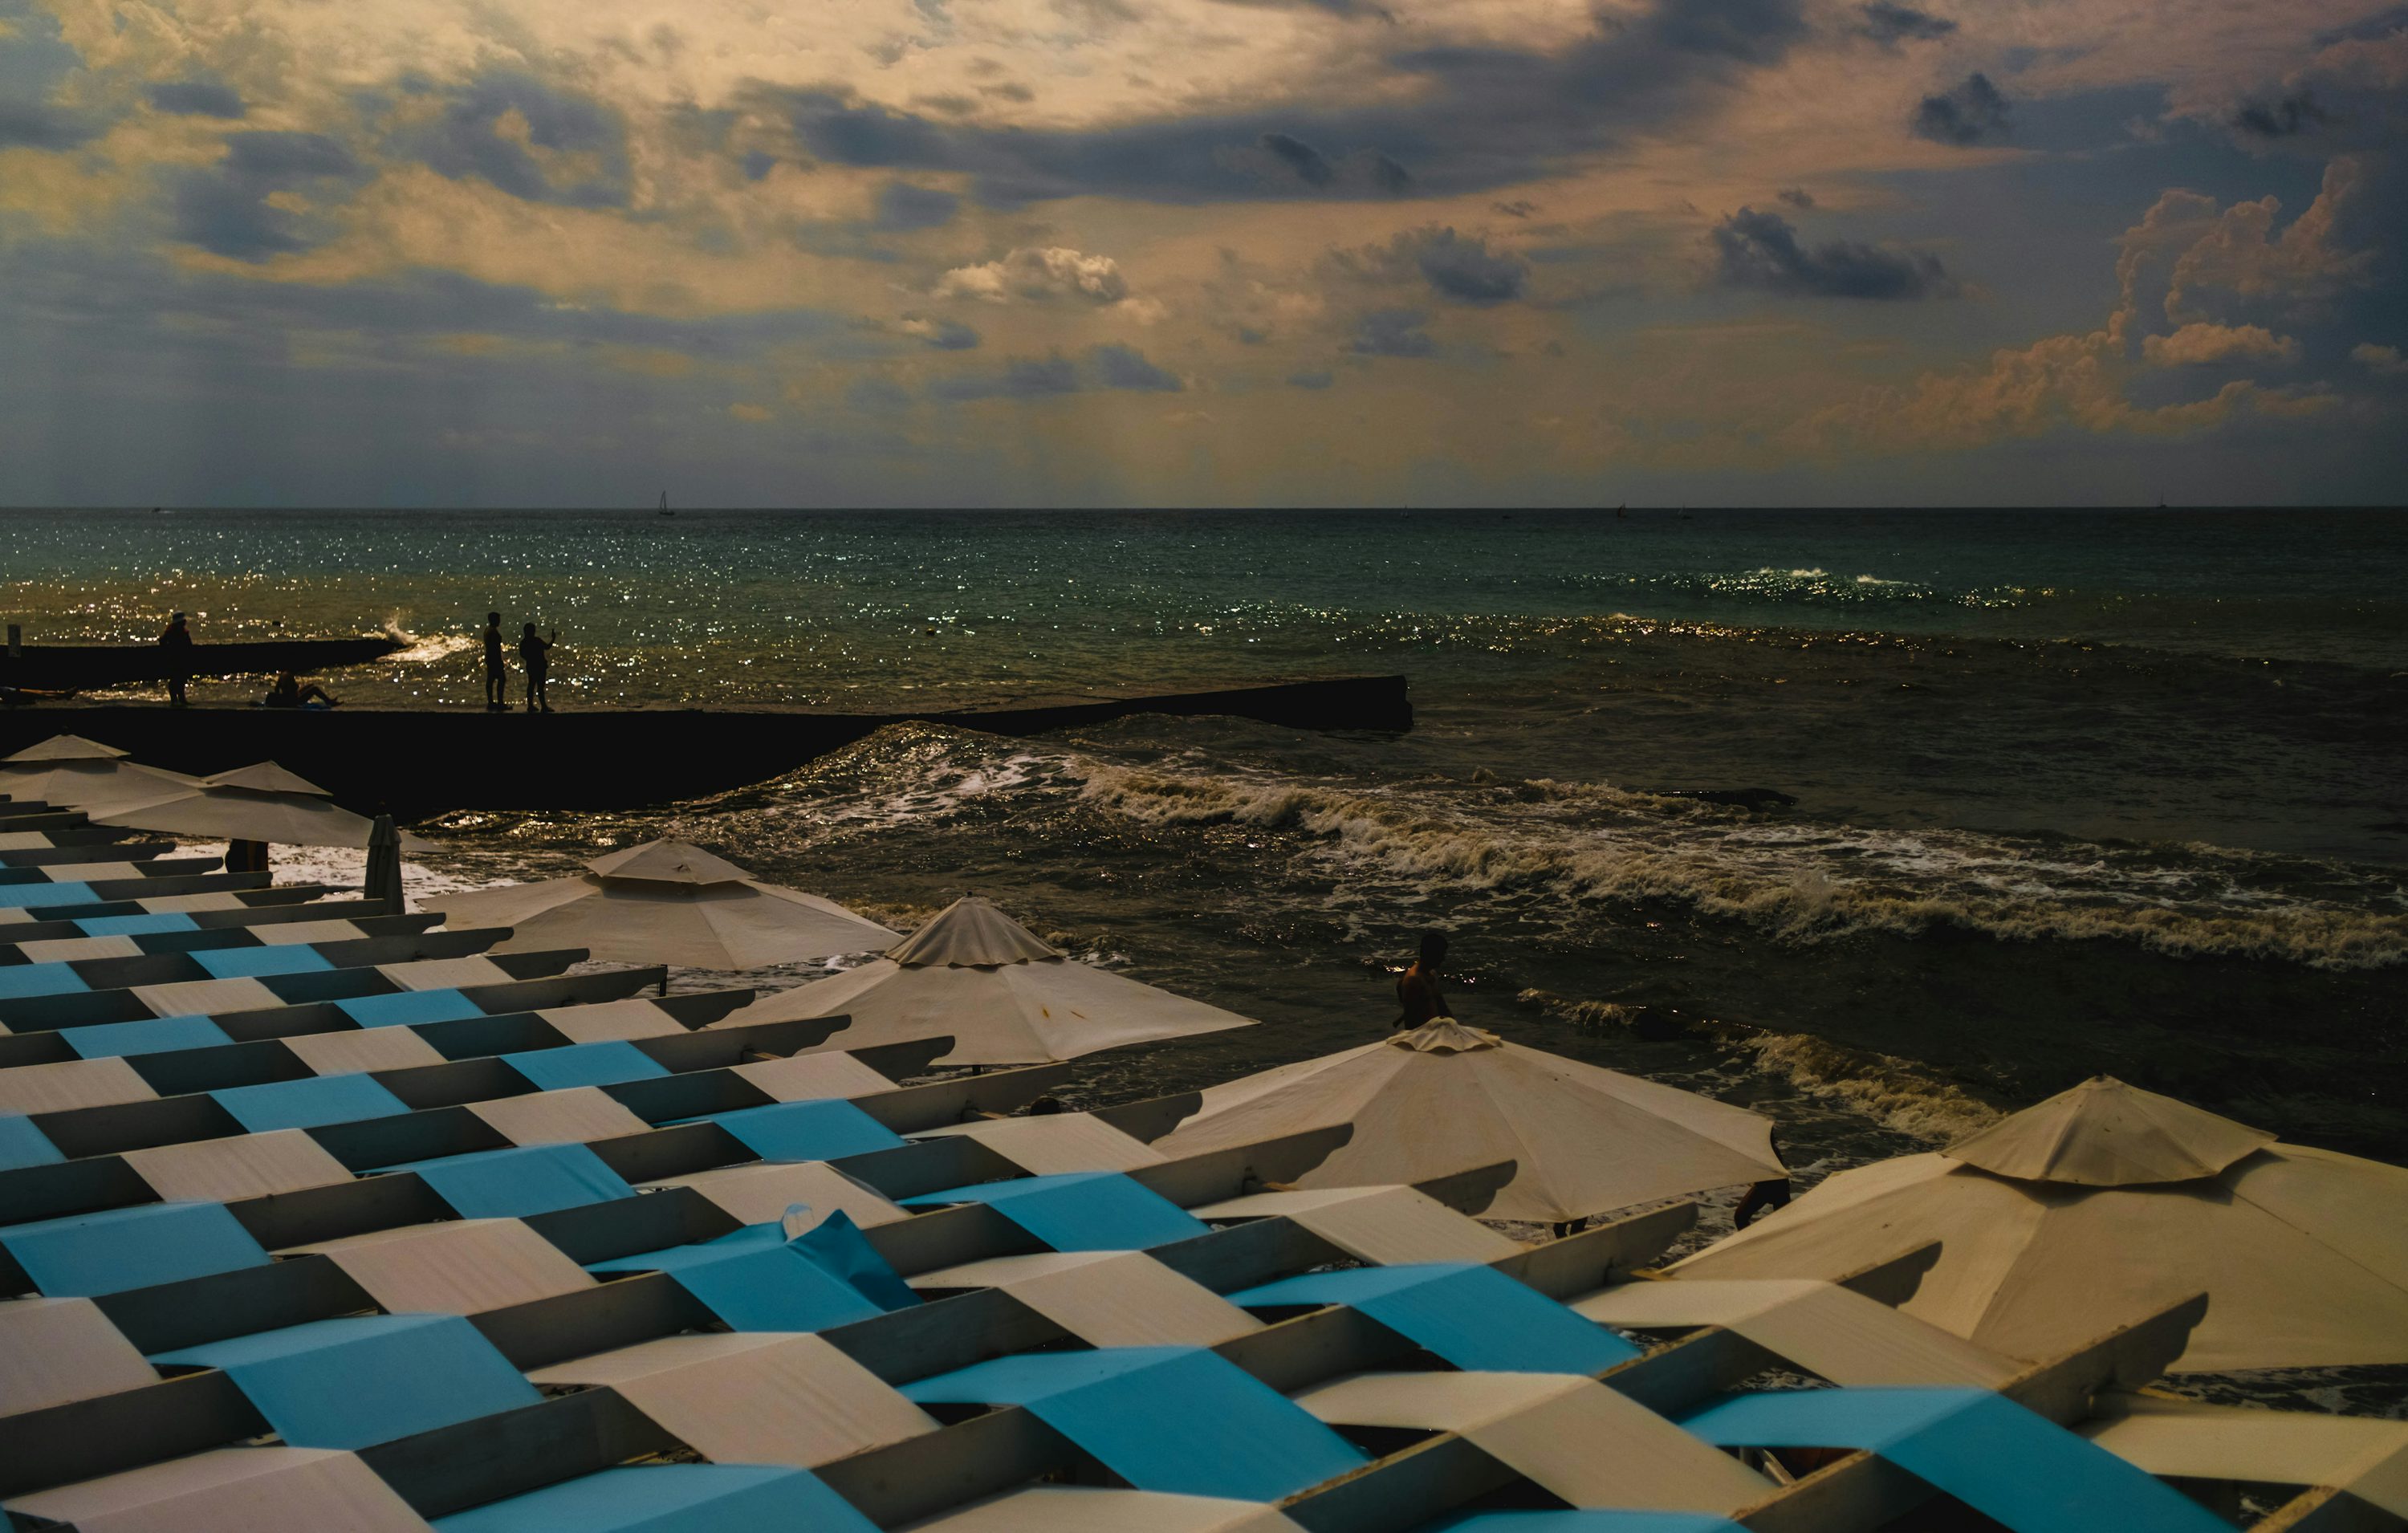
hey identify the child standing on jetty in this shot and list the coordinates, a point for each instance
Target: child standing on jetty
(536, 654)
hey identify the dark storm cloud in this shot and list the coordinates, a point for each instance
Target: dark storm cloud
(1310, 380)
(225, 209)
(1300, 157)
(197, 98)
(904, 207)
(1125, 367)
(2287, 117)
(1798, 197)
(1971, 113)
(1393, 333)
(757, 164)
(1892, 24)
(33, 60)
(1762, 251)
(1478, 119)
(585, 143)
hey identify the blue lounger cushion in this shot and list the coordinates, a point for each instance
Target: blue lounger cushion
(19, 980)
(364, 1380)
(2013, 1466)
(137, 925)
(407, 1007)
(828, 1129)
(1079, 1210)
(240, 963)
(151, 1035)
(604, 1064)
(672, 1499)
(1475, 1317)
(1587, 1520)
(1179, 1419)
(41, 892)
(756, 1280)
(514, 1184)
(23, 1144)
(310, 1103)
(138, 1247)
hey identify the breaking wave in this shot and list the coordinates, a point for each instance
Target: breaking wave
(1795, 881)
(1895, 1093)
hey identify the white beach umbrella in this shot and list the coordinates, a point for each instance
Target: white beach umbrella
(262, 802)
(71, 773)
(2102, 1204)
(666, 902)
(1445, 1098)
(975, 975)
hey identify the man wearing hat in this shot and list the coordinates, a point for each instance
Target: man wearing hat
(178, 641)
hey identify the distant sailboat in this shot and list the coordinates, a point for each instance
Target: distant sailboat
(664, 504)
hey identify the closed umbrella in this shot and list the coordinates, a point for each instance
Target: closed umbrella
(669, 902)
(70, 772)
(2103, 1204)
(381, 882)
(1445, 1098)
(1003, 996)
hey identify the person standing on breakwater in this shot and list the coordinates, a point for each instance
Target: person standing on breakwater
(1417, 991)
(176, 640)
(536, 654)
(497, 675)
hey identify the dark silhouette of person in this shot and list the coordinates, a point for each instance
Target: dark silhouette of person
(497, 675)
(536, 654)
(1417, 991)
(287, 691)
(176, 640)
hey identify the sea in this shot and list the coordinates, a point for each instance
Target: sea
(2074, 793)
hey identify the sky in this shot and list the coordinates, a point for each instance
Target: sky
(1183, 252)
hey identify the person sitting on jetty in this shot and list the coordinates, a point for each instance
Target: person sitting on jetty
(1417, 991)
(289, 692)
(497, 675)
(176, 640)
(536, 654)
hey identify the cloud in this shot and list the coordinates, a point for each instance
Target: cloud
(903, 207)
(1300, 157)
(755, 413)
(1037, 275)
(2201, 345)
(197, 98)
(1108, 367)
(1393, 333)
(2382, 361)
(1465, 269)
(1121, 367)
(1970, 113)
(943, 334)
(244, 207)
(1798, 197)
(2287, 117)
(1455, 266)
(35, 126)
(1891, 25)
(537, 143)
(1311, 380)
(1763, 250)
(2238, 250)
(1518, 207)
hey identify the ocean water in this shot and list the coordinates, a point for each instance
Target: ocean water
(2075, 791)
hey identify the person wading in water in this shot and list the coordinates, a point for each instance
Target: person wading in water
(1417, 991)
